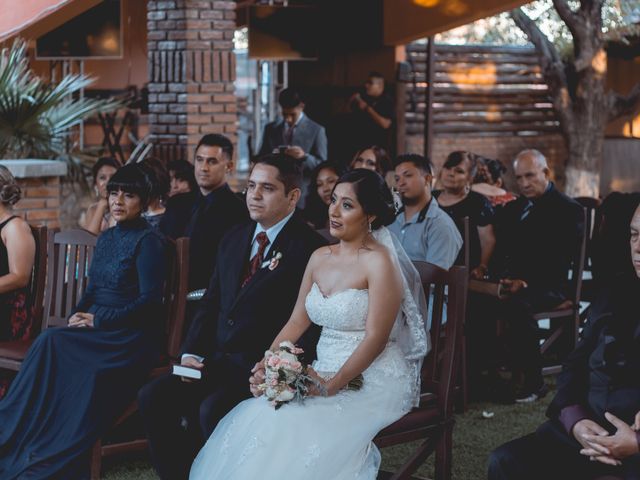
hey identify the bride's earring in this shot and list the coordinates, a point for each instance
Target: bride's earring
(370, 230)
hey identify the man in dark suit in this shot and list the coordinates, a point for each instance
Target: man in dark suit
(207, 214)
(594, 425)
(538, 235)
(251, 295)
(296, 135)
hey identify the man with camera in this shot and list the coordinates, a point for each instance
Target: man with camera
(297, 136)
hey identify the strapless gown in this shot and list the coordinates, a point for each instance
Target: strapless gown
(323, 438)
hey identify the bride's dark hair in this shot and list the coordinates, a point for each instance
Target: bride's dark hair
(373, 194)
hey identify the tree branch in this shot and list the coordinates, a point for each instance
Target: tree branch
(567, 15)
(621, 105)
(551, 63)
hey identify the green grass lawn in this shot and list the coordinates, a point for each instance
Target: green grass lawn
(474, 437)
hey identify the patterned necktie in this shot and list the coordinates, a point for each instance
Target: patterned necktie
(526, 210)
(258, 258)
(288, 136)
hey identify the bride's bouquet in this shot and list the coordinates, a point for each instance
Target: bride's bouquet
(287, 378)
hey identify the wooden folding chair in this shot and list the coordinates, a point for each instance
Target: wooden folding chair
(567, 314)
(175, 298)
(13, 352)
(432, 421)
(69, 256)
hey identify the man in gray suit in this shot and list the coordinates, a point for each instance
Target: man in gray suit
(296, 135)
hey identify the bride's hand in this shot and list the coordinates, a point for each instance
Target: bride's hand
(257, 378)
(315, 390)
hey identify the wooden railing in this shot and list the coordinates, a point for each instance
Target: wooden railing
(478, 90)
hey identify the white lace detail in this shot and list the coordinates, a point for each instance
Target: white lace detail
(312, 455)
(341, 335)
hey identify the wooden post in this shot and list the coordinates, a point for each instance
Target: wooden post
(428, 108)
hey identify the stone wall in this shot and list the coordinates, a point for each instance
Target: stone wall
(503, 148)
(191, 68)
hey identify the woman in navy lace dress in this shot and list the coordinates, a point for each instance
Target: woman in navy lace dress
(76, 380)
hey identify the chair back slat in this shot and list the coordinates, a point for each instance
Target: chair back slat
(176, 297)
(37, 280)
(577, 268)
(441, 365)
(69, 255)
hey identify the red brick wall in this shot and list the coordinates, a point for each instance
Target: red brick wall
(40, 203)
(503, 148)
(191, 68)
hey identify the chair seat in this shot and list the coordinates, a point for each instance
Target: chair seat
(15, 349)
(415, 419)
(565, 309)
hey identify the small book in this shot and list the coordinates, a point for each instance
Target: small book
(187, 372)
(488, 288)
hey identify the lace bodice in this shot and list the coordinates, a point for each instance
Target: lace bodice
(343, 317)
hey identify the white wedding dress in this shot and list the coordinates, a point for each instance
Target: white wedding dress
(323, 438)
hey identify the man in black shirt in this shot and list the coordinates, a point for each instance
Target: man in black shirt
(206, 215)
(373, 114)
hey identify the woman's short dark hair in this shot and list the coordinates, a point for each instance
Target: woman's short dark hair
(456, 158)
(383, 161)
(495, 168)
(183, 170)
(289, 171)
(132, 179)
(373, 194)
(104, 162)
(158, 176)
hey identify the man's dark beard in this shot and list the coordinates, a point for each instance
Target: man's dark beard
(409, 202)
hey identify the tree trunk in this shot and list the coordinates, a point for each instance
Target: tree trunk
(584, 161)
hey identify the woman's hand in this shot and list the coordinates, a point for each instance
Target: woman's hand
(81, 319)
(320, 387)
(256, 378)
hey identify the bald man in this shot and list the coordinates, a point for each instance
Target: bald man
(537, 238)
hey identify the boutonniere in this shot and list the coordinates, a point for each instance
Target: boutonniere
(275, 259)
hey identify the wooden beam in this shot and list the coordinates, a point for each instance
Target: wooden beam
(429, 96)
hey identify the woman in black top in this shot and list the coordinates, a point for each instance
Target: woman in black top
(459, 201)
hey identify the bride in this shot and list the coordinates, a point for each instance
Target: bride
(367, 296)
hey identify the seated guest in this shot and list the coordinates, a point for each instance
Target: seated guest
(538, 236)
(206, 215)
(426, 232)
(316, 211)
(17, 254)
(97, 218)
(592, 431)
(372, 158)
(159, 178)
(76, 380)
(181, 177)
(488, 181)
(296, 135)
(459, 201)
(251, 296)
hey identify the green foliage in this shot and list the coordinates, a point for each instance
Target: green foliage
(36, 117)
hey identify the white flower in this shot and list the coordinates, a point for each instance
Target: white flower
(285, 396)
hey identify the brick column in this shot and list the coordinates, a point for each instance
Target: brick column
(191, 68)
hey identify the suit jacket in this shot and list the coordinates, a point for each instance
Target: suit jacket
(234, 325)
(308, 135)
(601, 374)
(205, 220)
(539, 248)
